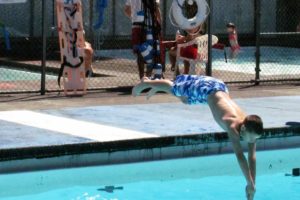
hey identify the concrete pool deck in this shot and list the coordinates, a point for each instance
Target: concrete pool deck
(38, 130)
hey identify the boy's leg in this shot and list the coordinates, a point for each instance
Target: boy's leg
(137, 37)
(89, 52)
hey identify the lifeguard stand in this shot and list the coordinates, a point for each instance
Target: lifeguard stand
(194, 51)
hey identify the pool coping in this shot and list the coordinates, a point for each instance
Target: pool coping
(40, 152)
(37, 158)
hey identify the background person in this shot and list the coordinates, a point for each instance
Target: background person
(88, 59)
(233, 40)
(133, 9)
(183, 36)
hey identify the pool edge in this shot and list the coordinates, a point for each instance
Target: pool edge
(137, 150)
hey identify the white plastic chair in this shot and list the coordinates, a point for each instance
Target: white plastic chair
(202, 52)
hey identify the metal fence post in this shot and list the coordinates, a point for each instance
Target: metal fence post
(209, 26)
(44, 48)
(164, 25)
(31, 18)
(114, 18)
(91, 17)
(257, 7)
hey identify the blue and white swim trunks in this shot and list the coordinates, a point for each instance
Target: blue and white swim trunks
(197, 88)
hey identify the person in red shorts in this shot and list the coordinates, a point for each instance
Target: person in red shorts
(233, 40)
(183, 36)
(133, 9)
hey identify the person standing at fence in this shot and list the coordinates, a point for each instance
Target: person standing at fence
(183, 36)
(233, 40)
(88, 59)
(134, 10)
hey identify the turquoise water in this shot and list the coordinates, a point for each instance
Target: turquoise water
(18, 75)
(271, 187)
(205, 178)
(274, 60)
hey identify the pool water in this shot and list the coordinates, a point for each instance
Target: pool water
(19, 75)
(269, 187)
(274, 60)
(205, 178)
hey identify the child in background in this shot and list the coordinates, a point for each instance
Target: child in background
(183, 36)
(233, 40)
(88, 58)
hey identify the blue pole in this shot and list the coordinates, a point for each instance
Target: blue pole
(101, 5)
(6, 37)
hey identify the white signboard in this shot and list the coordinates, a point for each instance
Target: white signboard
(12, 1)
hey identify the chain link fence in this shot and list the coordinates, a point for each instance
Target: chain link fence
(267, 33)
(280, 41)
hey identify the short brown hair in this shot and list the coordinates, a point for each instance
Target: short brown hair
(253, 123)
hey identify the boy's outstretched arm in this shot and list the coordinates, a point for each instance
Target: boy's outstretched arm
(154, 85)
(244, 165)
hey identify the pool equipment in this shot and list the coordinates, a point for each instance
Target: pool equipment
(6, 37)
(101, 5)
(72, 43)
(178, 19)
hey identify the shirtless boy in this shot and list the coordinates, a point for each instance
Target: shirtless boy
(192, 89)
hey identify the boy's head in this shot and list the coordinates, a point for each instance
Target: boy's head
(252, 128)
(230, 27)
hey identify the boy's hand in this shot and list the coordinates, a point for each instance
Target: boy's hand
(250, 191)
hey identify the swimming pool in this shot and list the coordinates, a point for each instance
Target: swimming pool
(274, 60)
(205, 178)
(7, 75)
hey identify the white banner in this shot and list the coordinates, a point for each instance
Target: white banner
(12, 1)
